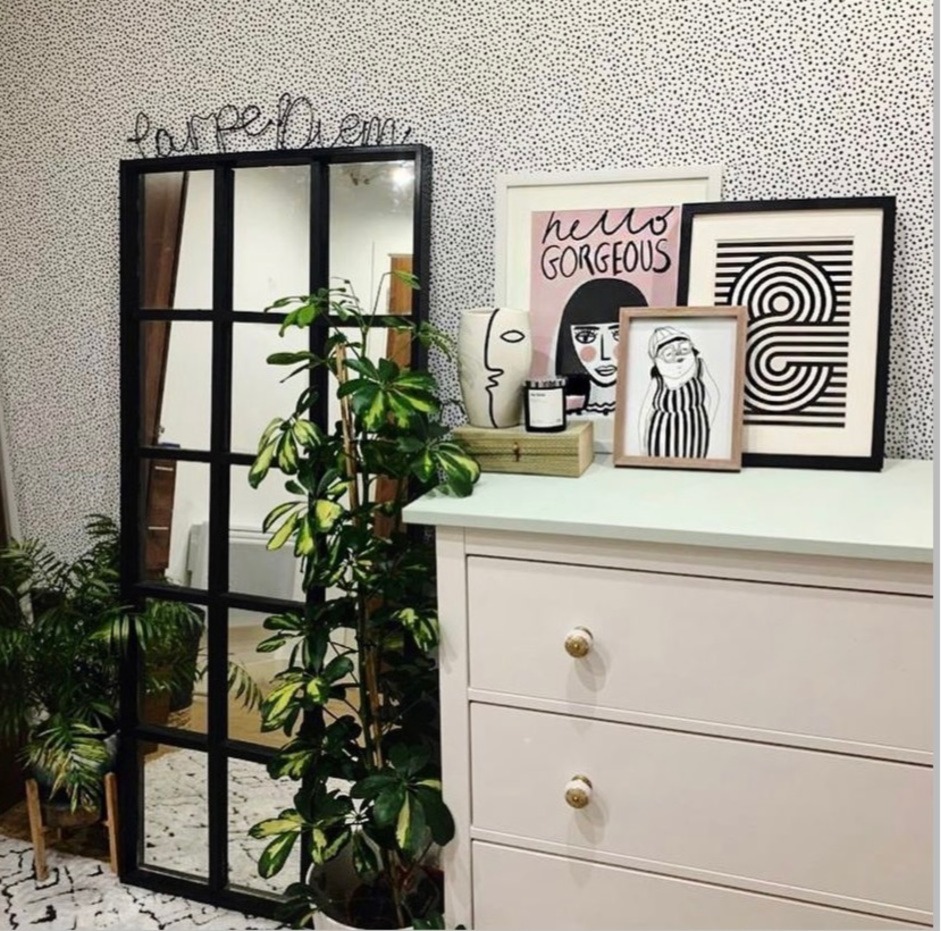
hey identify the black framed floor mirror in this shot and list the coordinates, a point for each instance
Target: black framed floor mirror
(207, 243)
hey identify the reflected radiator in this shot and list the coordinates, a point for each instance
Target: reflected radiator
(253, 568)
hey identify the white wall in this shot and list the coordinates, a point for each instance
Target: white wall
(796, 98)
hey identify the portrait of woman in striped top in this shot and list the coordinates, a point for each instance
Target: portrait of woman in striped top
(682, 399)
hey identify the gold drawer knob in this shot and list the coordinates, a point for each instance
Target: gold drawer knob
(578, 791)
(578, 642)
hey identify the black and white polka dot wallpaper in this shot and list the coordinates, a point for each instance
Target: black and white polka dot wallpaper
(795, 98)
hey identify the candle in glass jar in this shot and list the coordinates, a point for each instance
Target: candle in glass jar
(544, 405)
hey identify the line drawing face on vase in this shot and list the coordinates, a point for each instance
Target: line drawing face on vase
(682, 398)
(506, 348)
(588, 337)
(495, 349)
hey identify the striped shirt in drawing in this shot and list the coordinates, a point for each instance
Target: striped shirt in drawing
(679, 420)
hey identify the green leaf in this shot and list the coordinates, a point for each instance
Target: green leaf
(438, 817)
(275, 855)
(278, 512)
(318, 690)
(275, 705)
(292, 761)
(261, 465)
(409, 759)
(365, 861)
(304, 545)
(287, 454)
(292, 821)
(326, 514)
(290, 358)
(307, 434)
(338, 668)
(422, 627)
(284, 533)
(270, 644)
(371, 786)
(410, 826)
(387, 805)
(323, 847)
(460, 470)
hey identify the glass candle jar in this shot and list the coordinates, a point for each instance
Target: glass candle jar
(544, 405)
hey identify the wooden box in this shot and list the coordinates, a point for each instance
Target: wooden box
(512, 449)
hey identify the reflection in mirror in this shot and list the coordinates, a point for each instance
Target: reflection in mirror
(371, 218)
(176, 824)
(258, 393)
(174, 654)
(176, 240)
(272, 235)
(253, 568)
(254, 796)
(245, 633)
(176, 383)
(175, 536)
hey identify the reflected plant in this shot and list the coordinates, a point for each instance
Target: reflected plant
(63, 636)
(362, 720)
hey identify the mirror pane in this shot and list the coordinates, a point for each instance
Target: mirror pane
(254, 569)
(176, 240)
(371, 231)
(175, 814)
(272, 235)
(174, 653)
(175, 536)
(254, 796)
(245, 662)
(176, 383)
(258, 393)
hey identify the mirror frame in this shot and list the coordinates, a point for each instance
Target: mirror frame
(216, 599)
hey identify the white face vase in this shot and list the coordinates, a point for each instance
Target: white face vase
(495, 352)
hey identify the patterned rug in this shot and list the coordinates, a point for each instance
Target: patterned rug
(82, 893)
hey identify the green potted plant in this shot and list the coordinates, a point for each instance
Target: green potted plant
(362, 720)
(63, 631)
(59, 663)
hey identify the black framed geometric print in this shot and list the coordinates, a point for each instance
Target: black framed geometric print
(816, 278)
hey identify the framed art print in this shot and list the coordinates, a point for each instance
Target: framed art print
(680, 386)
(816, 277)
(575, 248)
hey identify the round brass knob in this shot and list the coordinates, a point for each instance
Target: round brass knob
(578, 642)
(578, 791)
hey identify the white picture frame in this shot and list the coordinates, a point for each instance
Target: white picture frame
(520, 195)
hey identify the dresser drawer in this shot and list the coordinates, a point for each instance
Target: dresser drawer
(521, 890)
(843, 826)
(824, 663)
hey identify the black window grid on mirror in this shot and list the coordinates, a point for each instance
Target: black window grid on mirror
(136, 453)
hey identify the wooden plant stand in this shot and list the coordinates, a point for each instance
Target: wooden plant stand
(38, 830)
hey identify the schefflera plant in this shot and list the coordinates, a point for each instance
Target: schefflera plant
(360, 711)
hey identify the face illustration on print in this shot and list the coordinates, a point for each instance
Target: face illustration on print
(588, 337)
(495, 351)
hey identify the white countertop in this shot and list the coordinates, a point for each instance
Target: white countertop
(864, 515)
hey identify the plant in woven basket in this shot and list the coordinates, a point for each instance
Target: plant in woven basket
(359, 697)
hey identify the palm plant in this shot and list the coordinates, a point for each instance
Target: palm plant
(58, 661)
(362, 719)
(63, 637)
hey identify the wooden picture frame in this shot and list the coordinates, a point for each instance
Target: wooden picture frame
(616, 231)
(820, 271)
(680, 426)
